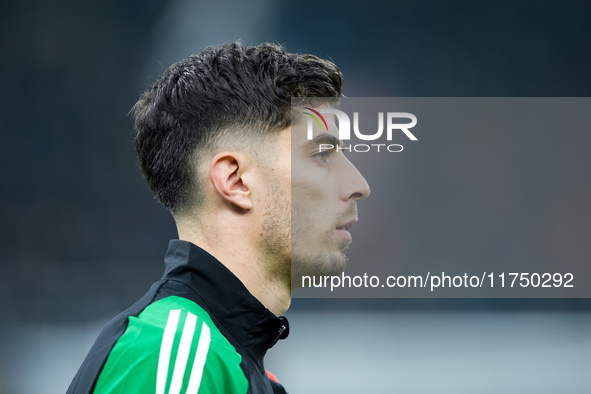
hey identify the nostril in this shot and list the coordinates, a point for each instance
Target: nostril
(357, 196)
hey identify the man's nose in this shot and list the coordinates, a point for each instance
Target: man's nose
(356, 187)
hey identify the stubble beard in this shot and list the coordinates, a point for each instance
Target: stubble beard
(305, 261)
(276, 229)
(285, 227)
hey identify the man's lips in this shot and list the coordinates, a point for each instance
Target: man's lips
(343, 230)
(347, 225)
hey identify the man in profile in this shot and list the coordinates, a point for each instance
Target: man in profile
(214, 141)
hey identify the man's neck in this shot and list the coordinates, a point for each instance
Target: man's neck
(234, 251)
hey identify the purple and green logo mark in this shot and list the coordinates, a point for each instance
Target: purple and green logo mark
(316, 119)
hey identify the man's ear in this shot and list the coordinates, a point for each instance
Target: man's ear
(226, 173)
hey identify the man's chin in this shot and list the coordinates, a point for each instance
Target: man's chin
(328, 265)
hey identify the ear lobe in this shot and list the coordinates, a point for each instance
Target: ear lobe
(226, 175)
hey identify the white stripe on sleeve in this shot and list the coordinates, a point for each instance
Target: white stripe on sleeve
(165, 350)
(199, 362)
(183, 354)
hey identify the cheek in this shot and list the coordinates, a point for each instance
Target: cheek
(312, 208)
(310, 186)
(308, 200)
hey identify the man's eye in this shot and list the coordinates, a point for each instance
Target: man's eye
(322, 156)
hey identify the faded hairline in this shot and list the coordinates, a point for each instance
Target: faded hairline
(249, 140)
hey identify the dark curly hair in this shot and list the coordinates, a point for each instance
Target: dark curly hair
(232, 90)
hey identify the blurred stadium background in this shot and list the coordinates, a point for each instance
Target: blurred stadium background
(81, 237)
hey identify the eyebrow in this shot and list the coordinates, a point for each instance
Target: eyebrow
(325, 138)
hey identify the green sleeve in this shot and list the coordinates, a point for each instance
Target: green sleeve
(172, 347)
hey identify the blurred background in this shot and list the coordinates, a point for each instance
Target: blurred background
(81, 237)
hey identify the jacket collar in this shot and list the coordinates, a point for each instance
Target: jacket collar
(225, 298)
